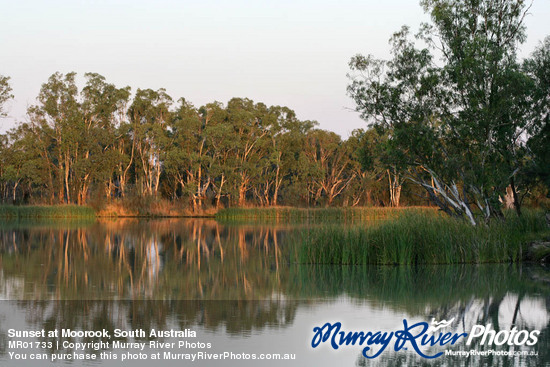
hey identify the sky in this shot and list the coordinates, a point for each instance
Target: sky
(289, 53)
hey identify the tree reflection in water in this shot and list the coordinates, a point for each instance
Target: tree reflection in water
(158, 259)
(242, 279)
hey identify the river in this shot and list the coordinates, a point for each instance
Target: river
(241, 290)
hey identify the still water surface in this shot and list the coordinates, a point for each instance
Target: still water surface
(241, 289)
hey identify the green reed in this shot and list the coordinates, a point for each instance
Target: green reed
(46, 211)
(420, 237)
(303, 215)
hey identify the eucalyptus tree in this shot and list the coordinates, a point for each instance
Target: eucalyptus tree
(5, 93)
(73, 134)
(458, 124)
(329, 161)
(104, 110)
(287, 134)
(538, 66)
(221, 142)
(380, 164)
(268, 180)
(188, 158)
(57, 123)
(280, 123)
(21, 168)
(149, 116)
(287, 169)
(178, 156)
(4, 163)
(366, 164)
(250, 131)
(242, 152)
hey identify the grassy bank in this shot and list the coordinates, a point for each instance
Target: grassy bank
(420, 237)
(46, 211)
(301, 215)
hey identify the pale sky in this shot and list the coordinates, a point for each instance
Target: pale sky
(292, 53)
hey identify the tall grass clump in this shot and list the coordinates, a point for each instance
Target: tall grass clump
(46, 211)
(419, 237)
(304, 215)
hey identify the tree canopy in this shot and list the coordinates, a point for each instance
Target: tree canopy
(5, 93)
(458, 107)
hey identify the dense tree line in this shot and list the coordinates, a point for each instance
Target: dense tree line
(459, 116)
(105, 143)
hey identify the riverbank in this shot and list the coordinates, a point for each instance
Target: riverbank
(315, 215)
(354, 236)
(149, 209)
(235, 215)
(115, 210)
(46, 211)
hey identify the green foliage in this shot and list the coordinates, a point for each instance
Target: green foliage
(5, 93)
(100, 145)
(421, 238)
(538, 66)
(51, 211)
(458, 126)
(99, 142)
(71, 136)
(289, 215)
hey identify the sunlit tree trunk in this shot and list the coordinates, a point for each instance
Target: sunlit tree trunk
(394, 188)
(219, 193)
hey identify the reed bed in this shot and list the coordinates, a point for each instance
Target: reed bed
(420, 237)
(46, 211)
(318, 215)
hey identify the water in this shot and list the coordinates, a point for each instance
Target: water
(240, 289)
